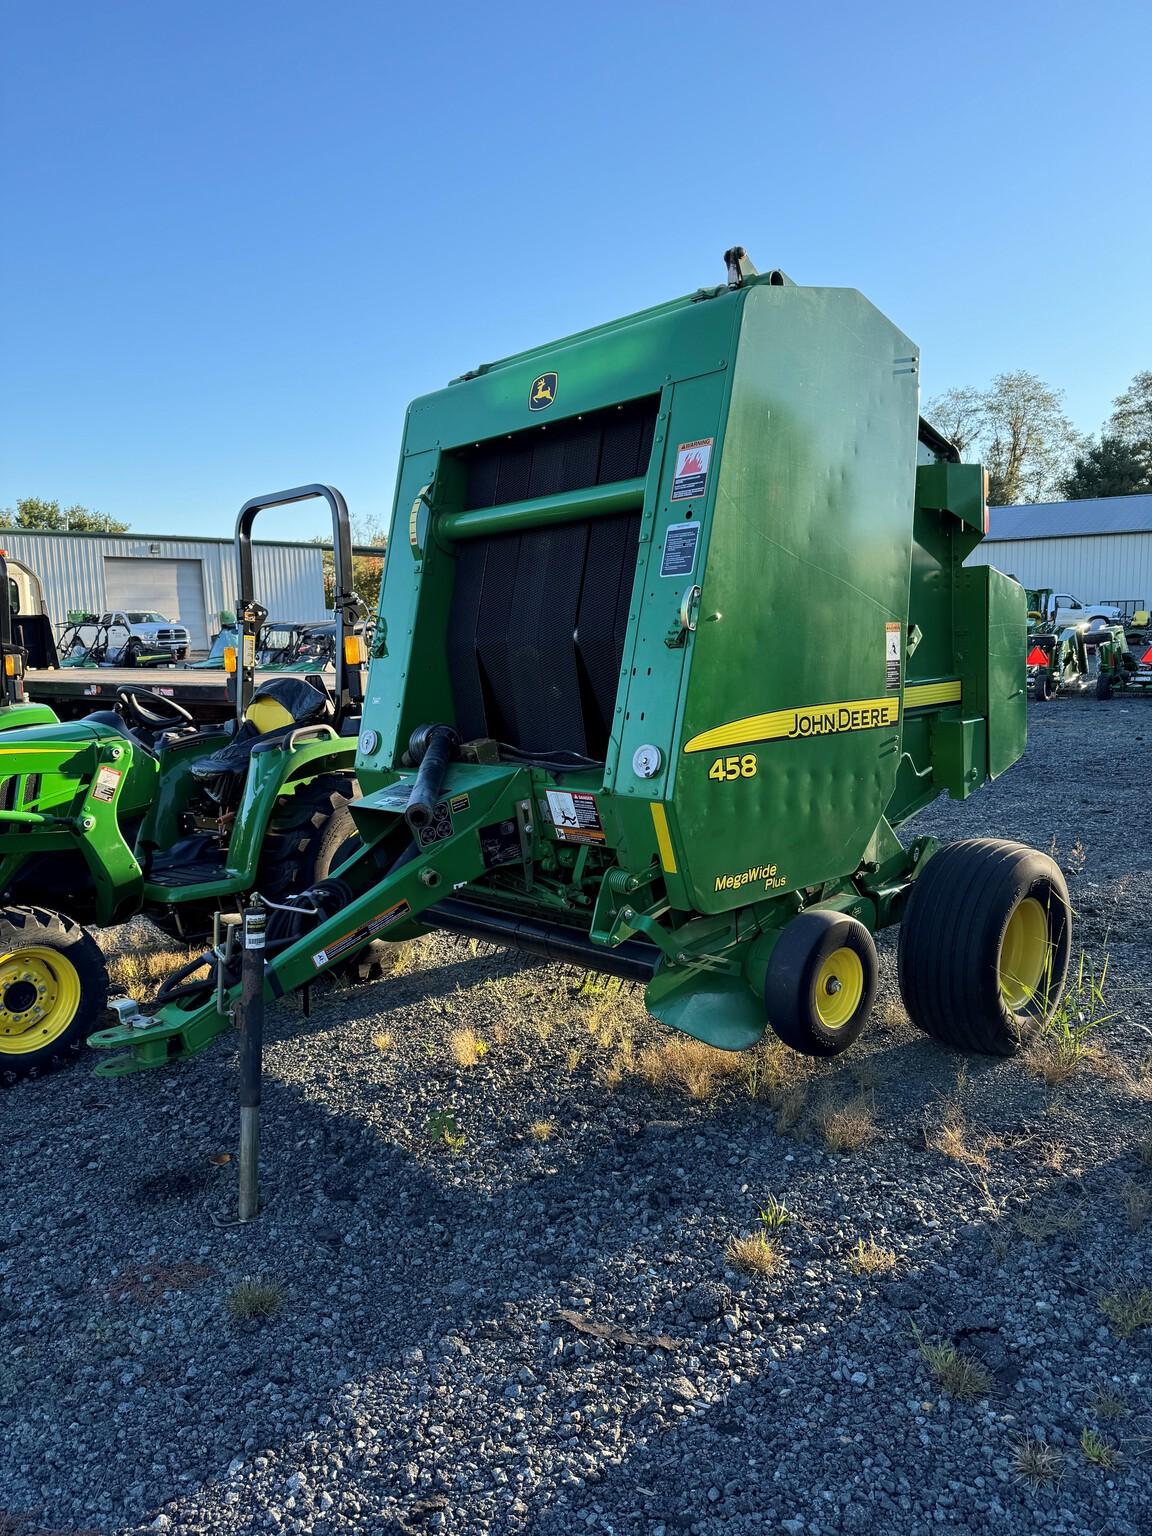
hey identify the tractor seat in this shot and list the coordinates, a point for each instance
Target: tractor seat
(279, 707)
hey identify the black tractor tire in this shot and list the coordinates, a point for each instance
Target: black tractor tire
(1042, 691)
(339, 841)
(984, 945)
(1103, 685)
(296, 852)
(53, 990)
(820, 982)
(132, 653)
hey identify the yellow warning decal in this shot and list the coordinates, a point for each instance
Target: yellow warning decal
(663, 840)
(787, 724)
(931, 693)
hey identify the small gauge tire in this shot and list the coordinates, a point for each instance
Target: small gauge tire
(984, 945)
(1042, 691)
(820, 982)
(1103, 685)
(53, 990)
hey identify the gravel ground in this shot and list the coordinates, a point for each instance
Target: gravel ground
(536, 1328)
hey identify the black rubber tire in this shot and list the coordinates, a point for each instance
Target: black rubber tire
(132, 653)
(790, 983)
(949, 953)
(1042, 691)
(35, 927)
(1103, 686)
(292, 857)
(339, 842)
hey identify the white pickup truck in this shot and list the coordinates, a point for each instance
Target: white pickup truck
(147, 632)
(1064, 609)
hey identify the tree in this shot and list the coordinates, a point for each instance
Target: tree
(1018, 430)
(1132, 419)
(367, 570)
(1110, 467)
(33, 513)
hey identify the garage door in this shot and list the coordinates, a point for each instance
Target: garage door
(174, 588)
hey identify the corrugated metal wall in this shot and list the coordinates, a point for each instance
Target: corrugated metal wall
(289, 577)
(1096, 566)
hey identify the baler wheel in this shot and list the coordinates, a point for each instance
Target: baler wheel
(820, 982)
(1042, 692)
(53, 989)
(984, 945)
(1103, 685)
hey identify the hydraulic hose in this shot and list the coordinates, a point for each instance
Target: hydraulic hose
(432, 746)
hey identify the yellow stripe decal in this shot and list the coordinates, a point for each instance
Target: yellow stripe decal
(931, 693)
(817, 720)
(663, 841)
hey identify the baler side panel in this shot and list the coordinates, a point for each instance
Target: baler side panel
(807, 565)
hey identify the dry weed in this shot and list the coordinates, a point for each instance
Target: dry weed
(689, 1066)
(871, 1258)
(140, 972)
(755, 1254)
(951, 1136)
(848, 1127)
(466, 1047)
(542, 1130)
(1036, 1462)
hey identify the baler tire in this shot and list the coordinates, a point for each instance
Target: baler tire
(1103, 686)
(984, 945)
(1042, 692)
(820, 982)
(68, 974)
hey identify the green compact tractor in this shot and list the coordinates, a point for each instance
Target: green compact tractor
(597, 727)
(136, 810)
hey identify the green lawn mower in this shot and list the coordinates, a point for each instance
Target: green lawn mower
(1080, 658)
(578, 739)
(136, 810)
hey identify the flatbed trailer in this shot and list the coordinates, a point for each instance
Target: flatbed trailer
(74, 692)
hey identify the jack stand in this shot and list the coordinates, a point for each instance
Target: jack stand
(251, 1056)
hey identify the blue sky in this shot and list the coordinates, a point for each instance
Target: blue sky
(239, 237)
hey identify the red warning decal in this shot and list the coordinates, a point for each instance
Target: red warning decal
(1037, 656)
(1146, 659)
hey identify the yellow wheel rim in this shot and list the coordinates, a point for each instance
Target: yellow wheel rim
(39, 996)
(1024, 953)
(839, 988)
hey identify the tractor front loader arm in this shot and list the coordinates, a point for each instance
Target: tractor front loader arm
(419, 871)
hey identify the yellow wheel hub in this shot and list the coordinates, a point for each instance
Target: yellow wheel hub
(1024, 953)
(839, 988)
(39, 996)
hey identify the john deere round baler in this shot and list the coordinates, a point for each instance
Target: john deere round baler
(674, 633)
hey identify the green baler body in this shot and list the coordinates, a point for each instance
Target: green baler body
(811, 543)
(690, 587)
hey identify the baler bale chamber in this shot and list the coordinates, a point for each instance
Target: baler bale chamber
(674, 633)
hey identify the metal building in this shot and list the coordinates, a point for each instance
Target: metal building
(189, 580)
(1097, 550)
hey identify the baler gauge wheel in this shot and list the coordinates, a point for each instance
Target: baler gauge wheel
(820, 982)
(1043, 689)
(984, 945)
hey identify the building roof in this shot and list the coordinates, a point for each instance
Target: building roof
(1069, 519)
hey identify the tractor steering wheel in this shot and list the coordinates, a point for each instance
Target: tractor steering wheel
(151, 711)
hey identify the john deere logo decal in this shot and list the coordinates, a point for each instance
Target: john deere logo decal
(543, 392)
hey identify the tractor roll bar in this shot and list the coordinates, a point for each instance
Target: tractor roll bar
(250, 615)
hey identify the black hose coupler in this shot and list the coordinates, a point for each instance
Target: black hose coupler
(433, 747)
